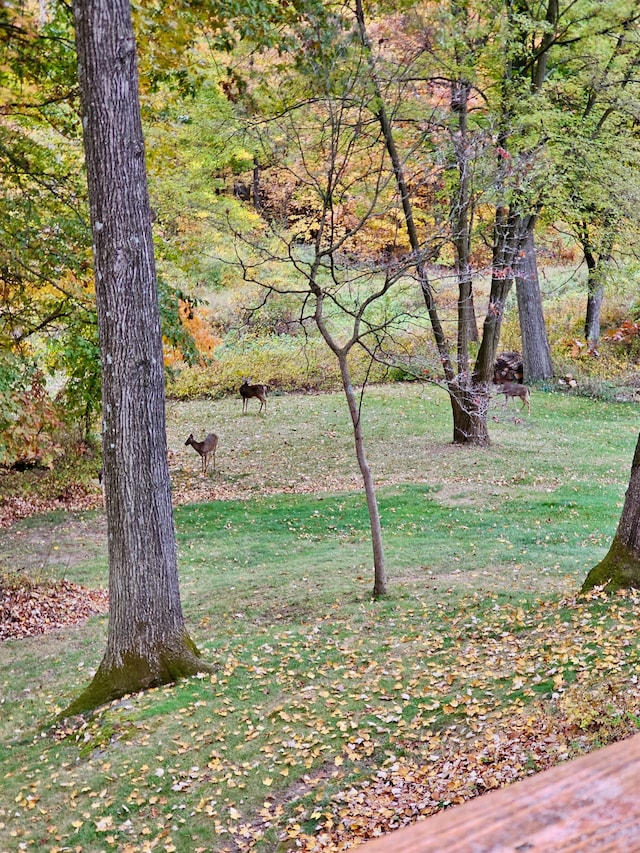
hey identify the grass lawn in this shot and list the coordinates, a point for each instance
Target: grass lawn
(332, 718)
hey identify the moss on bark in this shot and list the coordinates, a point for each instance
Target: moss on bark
(164, 665)
(620, 569)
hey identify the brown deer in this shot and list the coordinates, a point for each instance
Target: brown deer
(514, 389)
(247, 391)
(204, 448)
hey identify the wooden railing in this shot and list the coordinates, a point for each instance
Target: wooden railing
(589, 804)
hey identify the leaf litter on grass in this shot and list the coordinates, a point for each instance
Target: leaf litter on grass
(29, 608)
(318, 736)
(325, 727)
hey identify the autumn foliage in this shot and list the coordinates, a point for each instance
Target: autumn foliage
(198, 325)
(30, 425)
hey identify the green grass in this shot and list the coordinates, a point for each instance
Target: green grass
(318, 688)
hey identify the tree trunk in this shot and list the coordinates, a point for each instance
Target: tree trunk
(620, 569)
(536, 353)
(461, 223)
(341, 353)
(468, 396)
(595, 295)
(506, 240)
(465, 428)
(147, 641)
(470, 403)
(379, 566)
(512, 224)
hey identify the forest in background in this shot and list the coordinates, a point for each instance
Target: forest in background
(393, 192)
(474, 166)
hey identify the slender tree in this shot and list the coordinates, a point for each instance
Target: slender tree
(469, 400)
(333, 149)
(147, 641)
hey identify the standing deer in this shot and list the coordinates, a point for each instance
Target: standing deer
(247, 391)
(514, 389)
(204, 448)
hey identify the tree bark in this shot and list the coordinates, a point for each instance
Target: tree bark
(470, 402)
(536, 353)
(507, 235)
(147, 642)
(461, 224)
(379, 565)
(595, 294)
(620, 569)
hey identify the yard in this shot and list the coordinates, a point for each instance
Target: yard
(332, 718)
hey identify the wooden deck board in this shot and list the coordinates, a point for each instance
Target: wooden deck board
(589, 804)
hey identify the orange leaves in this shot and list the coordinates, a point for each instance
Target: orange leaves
(32, 435)
(199, 327)
(626, 332)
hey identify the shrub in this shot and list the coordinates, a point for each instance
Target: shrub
(281, 362)
(284, 363)
(30, 422)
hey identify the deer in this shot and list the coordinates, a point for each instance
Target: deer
(514, 389)
(204, 448)
(247, 391)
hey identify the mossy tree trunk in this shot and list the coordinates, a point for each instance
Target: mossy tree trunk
(147, 642)
(620, 569)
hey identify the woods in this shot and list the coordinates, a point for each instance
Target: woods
(487, 137)
(422, 208)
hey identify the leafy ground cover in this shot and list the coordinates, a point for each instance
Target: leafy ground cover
(332, 718)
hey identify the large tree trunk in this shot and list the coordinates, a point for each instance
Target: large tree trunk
(147, 642)
(536, 353)
(620, 569)
(470, 403)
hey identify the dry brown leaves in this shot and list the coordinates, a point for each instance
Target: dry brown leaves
(72, 499)
(448, 771)
(29, 608)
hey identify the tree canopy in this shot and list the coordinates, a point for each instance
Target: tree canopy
(496, 120)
